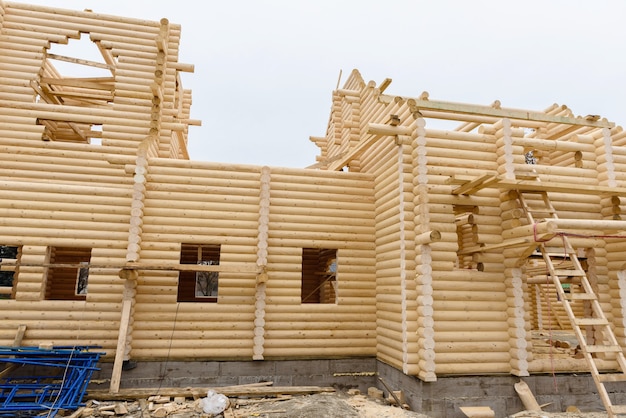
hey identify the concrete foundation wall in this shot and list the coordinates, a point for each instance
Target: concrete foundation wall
(440, 399)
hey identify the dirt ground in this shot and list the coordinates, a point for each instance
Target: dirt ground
(327, 405)
(339, 405)
(321, 405)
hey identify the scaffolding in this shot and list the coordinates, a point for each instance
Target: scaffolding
(56, 379)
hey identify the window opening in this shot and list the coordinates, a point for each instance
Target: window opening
(467, 238)
(79, 73)
(550, 326)
(319, 275)
(8, 274)
(68, 274)
(199, 285)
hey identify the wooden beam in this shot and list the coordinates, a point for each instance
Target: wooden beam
(106, 54)
(231, 391)
(380, 129)
(383, 86)
(21, 330)
(81, 95)
(231, 268)
(79, 61)
(377, 131)
(355, 152)
(572, 187)
(517, 114)
(78, 131)
(593, 224)
(476, 184)
(100, 83)
(116, 374)
(514, 242)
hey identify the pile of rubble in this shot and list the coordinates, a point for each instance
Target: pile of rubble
(256, 400)
(154, 406)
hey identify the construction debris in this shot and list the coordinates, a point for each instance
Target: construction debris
(315, 404)
(478, 411)
(527, 397)
(258, 390)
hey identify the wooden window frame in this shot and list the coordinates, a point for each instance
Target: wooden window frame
(67, 277)
(9, 273)
(319, 276)
(190, 287)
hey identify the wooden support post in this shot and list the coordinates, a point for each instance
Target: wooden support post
(21, 330)
(262, 278)
(120, 353)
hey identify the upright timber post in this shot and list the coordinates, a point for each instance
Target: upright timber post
(149, 146)
(132, 255)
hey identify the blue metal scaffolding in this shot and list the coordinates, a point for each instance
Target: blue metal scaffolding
(44, 381)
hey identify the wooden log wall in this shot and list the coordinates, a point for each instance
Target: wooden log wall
(611, 159)
(76, 198)
(463, 332)
(320, 210)
(202, 203)
(414, 285)
(141, 55)
(396, 296)
(459, 295)
(220, 204)
(73, 194)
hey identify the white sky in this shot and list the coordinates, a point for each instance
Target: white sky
(265, 69)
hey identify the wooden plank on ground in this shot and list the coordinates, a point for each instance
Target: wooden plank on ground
(231, 391)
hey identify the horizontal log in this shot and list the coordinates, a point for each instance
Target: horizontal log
(469, 286)
(294, 177)
(458, 163)
(427, 237)
(236, 268)
(467, 305)
(463, 347)
(65, 189)
(23, 11)
(556, 172)
(571, 365)
(590, 224)
(460, 153)
(537, 229)
(561, 187)
(552, 145)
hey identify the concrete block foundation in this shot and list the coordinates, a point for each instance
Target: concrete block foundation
(440, 399)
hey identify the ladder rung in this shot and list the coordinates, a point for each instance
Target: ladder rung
(612, 377)
(564, 253)
(603, 348)
(542, 211)
(591, 321)
(618, 409)
(569, 273)
(581, 296)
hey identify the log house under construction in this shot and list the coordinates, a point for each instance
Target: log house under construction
(436, 251)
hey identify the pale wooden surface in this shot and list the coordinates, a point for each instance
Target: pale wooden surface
(411, 291)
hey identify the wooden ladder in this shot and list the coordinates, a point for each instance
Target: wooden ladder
(563, 266)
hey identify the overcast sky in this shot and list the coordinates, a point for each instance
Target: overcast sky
(265, 69)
